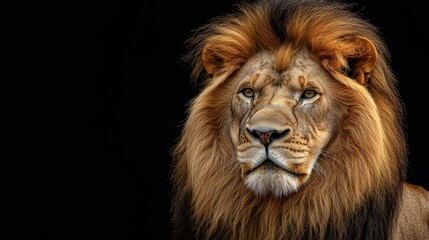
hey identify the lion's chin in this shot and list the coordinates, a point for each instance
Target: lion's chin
(273, 180)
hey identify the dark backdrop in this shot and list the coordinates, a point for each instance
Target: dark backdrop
(92, 99)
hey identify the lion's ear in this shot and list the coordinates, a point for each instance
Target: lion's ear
(356, 57)
(212, 61)
(363, 60)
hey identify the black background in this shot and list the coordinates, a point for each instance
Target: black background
(93, 96)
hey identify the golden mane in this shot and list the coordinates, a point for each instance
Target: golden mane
(360, 192)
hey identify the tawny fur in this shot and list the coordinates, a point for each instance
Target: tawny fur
(359, 196)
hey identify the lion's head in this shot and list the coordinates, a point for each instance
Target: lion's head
(297, 132)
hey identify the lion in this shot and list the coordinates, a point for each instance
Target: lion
(297, 131)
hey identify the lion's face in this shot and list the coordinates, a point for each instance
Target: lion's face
(283, 120)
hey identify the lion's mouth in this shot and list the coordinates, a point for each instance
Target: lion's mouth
(269, 166)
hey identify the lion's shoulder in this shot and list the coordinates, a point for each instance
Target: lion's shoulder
(413, 218)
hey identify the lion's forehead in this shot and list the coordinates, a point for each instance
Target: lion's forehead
(261, 70)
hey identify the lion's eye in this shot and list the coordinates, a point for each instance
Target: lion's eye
(308, 94)
(248, 92)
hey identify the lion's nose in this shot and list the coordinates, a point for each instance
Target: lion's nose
(267, 137)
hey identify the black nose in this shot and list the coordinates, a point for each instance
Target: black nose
(267, 137)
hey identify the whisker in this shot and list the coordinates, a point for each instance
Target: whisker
(325, 157)
(328, 156)
(235, 164)
(319, 170)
